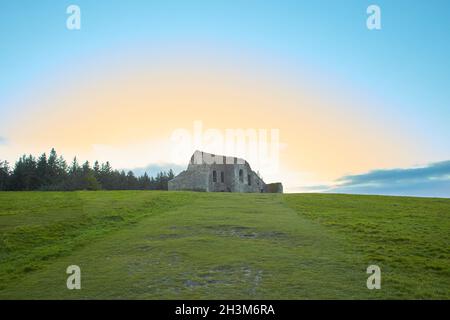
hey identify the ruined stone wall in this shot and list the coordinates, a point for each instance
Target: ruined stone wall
(232, 181)
(276, 187)
(242, 185)
(237, 176)
(195, 179)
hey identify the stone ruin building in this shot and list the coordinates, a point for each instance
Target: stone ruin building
(215, 173)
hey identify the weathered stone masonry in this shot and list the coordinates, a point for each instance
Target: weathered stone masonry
(216, 173)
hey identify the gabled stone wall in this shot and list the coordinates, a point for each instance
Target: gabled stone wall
(215, 173)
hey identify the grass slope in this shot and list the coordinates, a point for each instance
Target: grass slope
(169, 245)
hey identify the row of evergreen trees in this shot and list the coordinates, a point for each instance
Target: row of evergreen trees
(53, 173)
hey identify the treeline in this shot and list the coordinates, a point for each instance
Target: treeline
(53, 173)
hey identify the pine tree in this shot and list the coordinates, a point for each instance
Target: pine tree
(96, 169)
(106, 176)
(42, 171)
(75, 176)
(171, 175)
(4, 175)
(53, 173)
(131, 181)
(74, 168)
(86, 167)
(144, 182)
(52, 165)
(24, 175)
(62, 173)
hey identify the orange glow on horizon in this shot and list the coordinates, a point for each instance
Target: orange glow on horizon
(141, 102)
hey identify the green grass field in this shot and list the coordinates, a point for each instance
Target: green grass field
(183, 245)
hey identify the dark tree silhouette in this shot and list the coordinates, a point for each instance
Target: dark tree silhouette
(53, 173)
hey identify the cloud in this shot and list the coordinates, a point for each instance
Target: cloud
(432, 180)
(153, 169)
(438, 170)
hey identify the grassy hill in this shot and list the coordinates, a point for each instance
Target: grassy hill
(169, 245)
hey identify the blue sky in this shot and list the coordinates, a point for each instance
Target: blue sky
(406, 62)
(404, 68)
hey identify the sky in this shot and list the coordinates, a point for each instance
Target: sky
(347, 101)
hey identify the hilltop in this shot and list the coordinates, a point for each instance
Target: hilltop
(187, 245)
